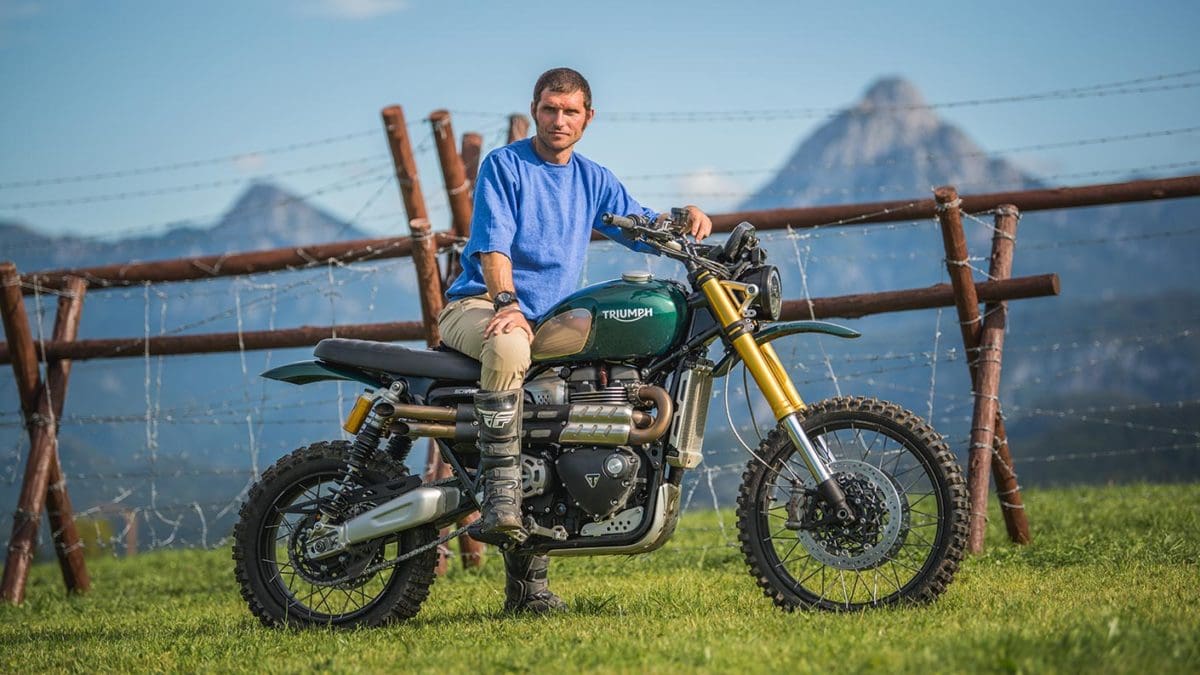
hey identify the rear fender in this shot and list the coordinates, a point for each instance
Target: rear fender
(307, 372)
(774, 331)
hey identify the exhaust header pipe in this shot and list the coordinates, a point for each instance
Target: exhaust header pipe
(584, 424)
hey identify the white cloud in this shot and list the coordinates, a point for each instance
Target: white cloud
(359, 9)
(251, 163)
(710, 190)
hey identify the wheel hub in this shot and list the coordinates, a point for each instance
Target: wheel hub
(881, 520)
(342, 571)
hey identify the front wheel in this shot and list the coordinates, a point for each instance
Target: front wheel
(284, 587)
(909, 499)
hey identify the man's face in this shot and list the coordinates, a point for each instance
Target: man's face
(560, 118)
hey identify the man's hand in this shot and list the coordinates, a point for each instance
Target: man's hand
(699, 224)
(506, 320)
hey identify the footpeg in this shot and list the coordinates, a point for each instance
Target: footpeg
(557, 533)
(501, 538)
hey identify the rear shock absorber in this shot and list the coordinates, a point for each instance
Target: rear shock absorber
(368, 429)
(365, 443)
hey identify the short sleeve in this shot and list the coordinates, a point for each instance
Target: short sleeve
(493, 220)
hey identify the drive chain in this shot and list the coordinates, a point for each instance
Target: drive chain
(379, 567)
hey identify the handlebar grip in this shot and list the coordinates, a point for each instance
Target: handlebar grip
(623, 222)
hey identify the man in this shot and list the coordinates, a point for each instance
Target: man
(536, 202)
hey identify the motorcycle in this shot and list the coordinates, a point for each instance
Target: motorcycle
(848, 503)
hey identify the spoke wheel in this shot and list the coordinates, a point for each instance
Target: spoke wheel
(284, 586)
(904, 486)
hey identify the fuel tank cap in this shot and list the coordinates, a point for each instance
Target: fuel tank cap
(636, 277)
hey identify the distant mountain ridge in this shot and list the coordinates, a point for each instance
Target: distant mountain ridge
(888, 145)
(264, 216)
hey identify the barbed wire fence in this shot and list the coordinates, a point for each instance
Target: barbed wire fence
(171, 489)
(130, 501)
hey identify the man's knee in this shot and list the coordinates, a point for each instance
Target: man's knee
(509, 350)
(505, 359)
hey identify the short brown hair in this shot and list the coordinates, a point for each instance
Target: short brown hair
(563, 81)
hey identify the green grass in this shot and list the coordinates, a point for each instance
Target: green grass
(1110, 584)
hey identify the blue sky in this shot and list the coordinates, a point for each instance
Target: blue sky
(144, 87)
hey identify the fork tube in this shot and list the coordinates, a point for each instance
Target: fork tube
(763, 363)
(812, 458)
(751, 353)
(776, 365)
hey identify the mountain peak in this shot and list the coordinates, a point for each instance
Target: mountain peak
(892, 92)
(889, 144)
(266, 216)
(261, 195)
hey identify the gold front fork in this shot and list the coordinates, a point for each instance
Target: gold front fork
(764, 364)
(761, 360)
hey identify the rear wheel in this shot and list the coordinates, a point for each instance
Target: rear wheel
(904, 486)
(279, 581)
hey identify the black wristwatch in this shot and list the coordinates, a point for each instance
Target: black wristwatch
(503, 299)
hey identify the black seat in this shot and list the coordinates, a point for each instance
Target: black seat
(395, 359)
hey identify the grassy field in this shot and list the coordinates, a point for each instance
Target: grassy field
(1110, 584)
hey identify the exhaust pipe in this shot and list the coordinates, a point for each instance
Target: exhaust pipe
(581, 424)
(413, 508)
(662, 403)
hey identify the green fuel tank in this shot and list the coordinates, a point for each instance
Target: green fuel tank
(634, 317)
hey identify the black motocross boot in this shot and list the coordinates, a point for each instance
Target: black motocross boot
(498, 414)
(526, 586)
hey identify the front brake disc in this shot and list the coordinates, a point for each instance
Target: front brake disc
(883, 520)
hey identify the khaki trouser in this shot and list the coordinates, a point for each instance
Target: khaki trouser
(505, 356)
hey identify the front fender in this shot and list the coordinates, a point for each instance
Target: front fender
(774, 331)
(306, 372)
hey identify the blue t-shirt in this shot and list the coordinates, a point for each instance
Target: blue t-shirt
(541, 216)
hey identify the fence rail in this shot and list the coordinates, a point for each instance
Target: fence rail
(288, 258)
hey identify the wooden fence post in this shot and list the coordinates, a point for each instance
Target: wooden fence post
(472, 152)
(39, 410)
(472, 149)
(966, 302)
(424, 249)
(129, 518)
(459, 190)
(58, 502)
(29, 503)
(424, 253)
(458, 187)
(991, 343)
(518, 127)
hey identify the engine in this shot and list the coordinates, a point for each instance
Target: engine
(591, 440)
(583, 385)
(598, 487)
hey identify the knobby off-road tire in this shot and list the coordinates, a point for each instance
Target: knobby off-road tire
(276, 581)
(897, 469)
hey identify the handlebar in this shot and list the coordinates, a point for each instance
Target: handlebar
(667, 236)
(623, 222)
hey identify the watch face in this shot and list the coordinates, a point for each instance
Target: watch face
(503, 298)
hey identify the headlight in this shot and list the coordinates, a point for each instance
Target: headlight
(769, 303)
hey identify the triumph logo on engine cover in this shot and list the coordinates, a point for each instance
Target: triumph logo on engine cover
(628, 315)
(592, 479)
(497, 420)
